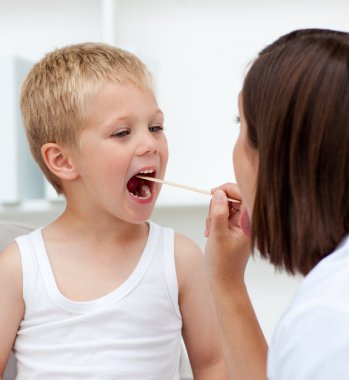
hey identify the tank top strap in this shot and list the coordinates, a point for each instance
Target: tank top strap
(29, 260)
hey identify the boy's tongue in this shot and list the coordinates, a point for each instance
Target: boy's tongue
(139, 187)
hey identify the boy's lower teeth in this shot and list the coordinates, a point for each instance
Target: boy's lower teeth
(144, 193)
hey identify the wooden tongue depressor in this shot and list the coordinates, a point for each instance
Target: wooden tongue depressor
(185, 187)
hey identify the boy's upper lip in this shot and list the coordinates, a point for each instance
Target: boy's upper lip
(144, 168)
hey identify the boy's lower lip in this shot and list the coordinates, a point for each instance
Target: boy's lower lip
(142, 201)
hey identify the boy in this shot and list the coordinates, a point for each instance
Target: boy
(101, 293)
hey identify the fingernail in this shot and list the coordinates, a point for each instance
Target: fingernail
(219, 196)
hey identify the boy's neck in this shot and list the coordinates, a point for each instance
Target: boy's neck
(98, 229)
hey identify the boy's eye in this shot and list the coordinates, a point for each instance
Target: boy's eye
(122, 133)
(156, 128)
(237, 119)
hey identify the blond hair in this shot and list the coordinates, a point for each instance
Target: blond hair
(55, 93)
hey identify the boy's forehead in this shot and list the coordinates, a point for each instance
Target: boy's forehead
(123, 88)
(120, 100)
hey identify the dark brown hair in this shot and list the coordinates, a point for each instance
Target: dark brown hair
(296, 104)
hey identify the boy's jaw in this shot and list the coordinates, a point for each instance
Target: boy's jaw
(141, 190)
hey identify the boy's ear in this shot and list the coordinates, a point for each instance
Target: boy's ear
(59, 161)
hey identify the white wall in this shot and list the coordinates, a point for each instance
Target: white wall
(198, 51)
(31, 28)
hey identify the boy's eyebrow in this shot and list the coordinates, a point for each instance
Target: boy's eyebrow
(158, 111)
(126, 117)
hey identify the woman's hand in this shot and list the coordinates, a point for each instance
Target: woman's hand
(227, 251)
(228, 246)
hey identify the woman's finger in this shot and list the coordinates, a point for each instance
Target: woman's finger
(231, 190)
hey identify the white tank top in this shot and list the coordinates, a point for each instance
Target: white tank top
(133, 333)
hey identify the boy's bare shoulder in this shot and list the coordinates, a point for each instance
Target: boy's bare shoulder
(186, 247)
(188, 257)
(10, 266)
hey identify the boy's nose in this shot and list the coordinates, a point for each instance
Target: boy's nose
(148, 145)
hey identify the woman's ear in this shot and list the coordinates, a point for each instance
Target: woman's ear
(59, 161)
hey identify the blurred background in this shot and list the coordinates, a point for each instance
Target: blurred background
(198, 52)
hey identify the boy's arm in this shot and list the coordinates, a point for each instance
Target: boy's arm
(200, 327)
(11, 301)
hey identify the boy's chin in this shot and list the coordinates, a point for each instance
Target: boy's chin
(139, 221)
(142, 218)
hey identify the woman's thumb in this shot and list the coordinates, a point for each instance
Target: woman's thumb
(219, 212)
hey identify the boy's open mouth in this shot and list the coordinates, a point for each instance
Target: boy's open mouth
(141, 188)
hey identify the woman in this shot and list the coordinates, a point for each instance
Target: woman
(291, 162)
